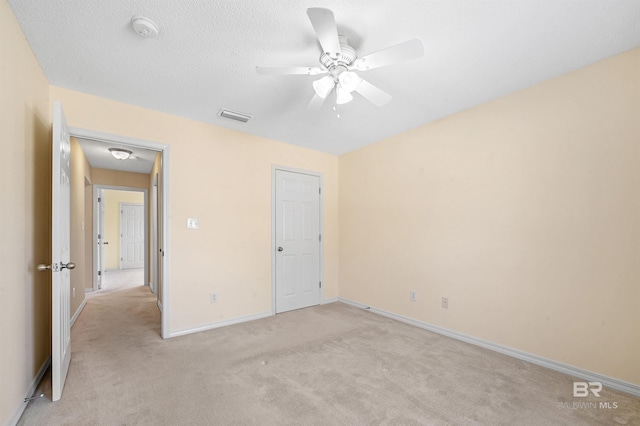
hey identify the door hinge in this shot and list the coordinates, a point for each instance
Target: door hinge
(319, 190)
(99, 272)
(320, 237)
(320, 284)
(99, 199)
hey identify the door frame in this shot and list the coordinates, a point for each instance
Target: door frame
(320, 176)
(153, 284)
(97, 201)
(96, 192)
(164, 150)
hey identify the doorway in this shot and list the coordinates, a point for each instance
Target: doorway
(161, 259)
(121, 244)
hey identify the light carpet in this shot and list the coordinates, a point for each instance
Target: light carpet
(327, 365)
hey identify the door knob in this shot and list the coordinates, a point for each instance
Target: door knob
(42, 267)
(69, 265)
(280, 249)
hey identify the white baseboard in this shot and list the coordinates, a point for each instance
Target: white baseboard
(570, 370)
(34, 385)
(327, 301)
(159, 303)
(78, 311)
(221, 324)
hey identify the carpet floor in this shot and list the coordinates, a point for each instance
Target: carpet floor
(327, 365)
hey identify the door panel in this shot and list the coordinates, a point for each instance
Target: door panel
(131, 236)
(297, 230)
(60, 253)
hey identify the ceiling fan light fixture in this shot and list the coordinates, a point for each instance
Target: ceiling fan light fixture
(120, 154)
(323, 86)
(349, 81)
(342, 96)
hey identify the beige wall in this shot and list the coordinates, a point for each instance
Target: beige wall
(222, 177)
(112, 199)
(24, 215)
(117, 178)
(524, 212)
(80, 253)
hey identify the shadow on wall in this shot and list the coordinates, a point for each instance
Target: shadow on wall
(40, 174)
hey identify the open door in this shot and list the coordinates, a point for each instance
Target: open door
(101, 242)
(60, 253)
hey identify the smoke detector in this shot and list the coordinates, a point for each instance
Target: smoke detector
(145, 27)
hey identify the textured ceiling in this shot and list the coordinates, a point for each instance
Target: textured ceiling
(205, 56)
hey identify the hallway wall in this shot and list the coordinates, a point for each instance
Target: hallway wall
(25, 182)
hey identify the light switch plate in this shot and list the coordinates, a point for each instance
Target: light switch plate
(192, 223)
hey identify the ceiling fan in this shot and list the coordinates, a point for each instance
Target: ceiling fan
(340, 62)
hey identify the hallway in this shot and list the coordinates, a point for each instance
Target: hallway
(119, 279)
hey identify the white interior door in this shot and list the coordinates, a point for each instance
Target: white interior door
(297, 229)
(101, 242)
(131, 236)
(60, 253)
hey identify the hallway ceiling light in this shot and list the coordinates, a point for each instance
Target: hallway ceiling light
(119, 153)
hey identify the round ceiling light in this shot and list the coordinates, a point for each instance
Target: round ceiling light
(145, 27)
(120, 154)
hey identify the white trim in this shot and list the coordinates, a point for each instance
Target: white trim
(78, 311)
(327, 301)
(165, 152)
(320, 176)
(96, 214)
(225, 323)
(159, 304)
(96, 192)
(570, 370)
(165, 300)
(34, 385)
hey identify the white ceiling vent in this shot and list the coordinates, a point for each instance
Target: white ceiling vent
(238, 116)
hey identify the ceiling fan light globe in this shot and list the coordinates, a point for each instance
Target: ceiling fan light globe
(343, 97)
(349, 81)
(323, 86)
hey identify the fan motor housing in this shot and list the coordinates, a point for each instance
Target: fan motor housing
(345, 58)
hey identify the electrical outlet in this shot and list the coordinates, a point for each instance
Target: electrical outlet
(213, 298)
(412, 295)
(445, 303)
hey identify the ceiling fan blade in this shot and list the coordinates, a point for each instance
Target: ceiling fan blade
(316, 102)
(324, 24)
(400, 52)
(289, 70)
(374, 95)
